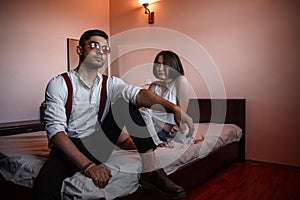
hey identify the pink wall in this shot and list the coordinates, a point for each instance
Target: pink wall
(254, 46)
(34, 48)
(248, 49)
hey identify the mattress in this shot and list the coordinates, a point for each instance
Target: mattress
(21, 157)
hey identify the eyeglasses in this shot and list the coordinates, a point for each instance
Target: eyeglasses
(97, 46)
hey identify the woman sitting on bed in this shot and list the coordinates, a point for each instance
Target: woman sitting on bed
(174, 87)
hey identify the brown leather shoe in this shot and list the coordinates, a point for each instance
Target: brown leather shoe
(159, 181)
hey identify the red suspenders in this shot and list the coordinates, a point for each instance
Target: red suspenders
(102, 98)
(69, 102)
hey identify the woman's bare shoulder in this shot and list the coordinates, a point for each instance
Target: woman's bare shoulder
(181, 80)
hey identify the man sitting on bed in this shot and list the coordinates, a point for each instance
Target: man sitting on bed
(68, 133)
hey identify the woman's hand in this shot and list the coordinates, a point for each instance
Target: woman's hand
(174, 129)
(166, 144)
(197, 140)
(99, 174)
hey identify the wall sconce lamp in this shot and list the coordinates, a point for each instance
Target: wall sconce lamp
(150, 14)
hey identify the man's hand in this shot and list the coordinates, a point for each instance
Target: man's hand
(99, 174)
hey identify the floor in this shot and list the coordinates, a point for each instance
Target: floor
(251, 181)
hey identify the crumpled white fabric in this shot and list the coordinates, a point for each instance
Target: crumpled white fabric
(147, 116)
(125, 167)
(20, 162)
(21, 169)
(178, 137)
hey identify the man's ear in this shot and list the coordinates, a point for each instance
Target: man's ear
(79, 50)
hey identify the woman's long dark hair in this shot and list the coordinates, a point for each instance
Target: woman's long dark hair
(172, 60)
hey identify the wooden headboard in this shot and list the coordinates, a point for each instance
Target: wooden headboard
(201, 110)
(220, 111)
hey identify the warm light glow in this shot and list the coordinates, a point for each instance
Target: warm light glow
(150, 13)
(147, 1)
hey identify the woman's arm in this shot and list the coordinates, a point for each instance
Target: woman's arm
(183, 91)
(183, 97)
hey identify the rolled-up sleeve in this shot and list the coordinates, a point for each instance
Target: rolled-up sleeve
(128, 92)
(55, 99)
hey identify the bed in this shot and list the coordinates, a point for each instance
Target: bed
(188, 170)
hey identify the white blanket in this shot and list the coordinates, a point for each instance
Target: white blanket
(21, 157)
(125, 165)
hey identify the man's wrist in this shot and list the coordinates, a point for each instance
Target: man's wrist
(87, 167)
(176, 108)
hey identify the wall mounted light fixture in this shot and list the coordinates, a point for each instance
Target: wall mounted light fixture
(150, 14)
(147, 10)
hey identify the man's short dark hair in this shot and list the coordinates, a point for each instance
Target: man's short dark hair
(88, 34)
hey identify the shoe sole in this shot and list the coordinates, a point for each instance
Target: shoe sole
(150, 186)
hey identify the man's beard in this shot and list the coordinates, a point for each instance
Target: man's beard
(94, 65)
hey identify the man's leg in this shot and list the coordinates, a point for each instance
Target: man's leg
(125, 114)
(47, 184)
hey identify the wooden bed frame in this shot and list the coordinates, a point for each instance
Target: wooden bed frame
(193, 174)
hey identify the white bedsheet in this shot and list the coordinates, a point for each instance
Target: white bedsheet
(126, 165)
(23, 155)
